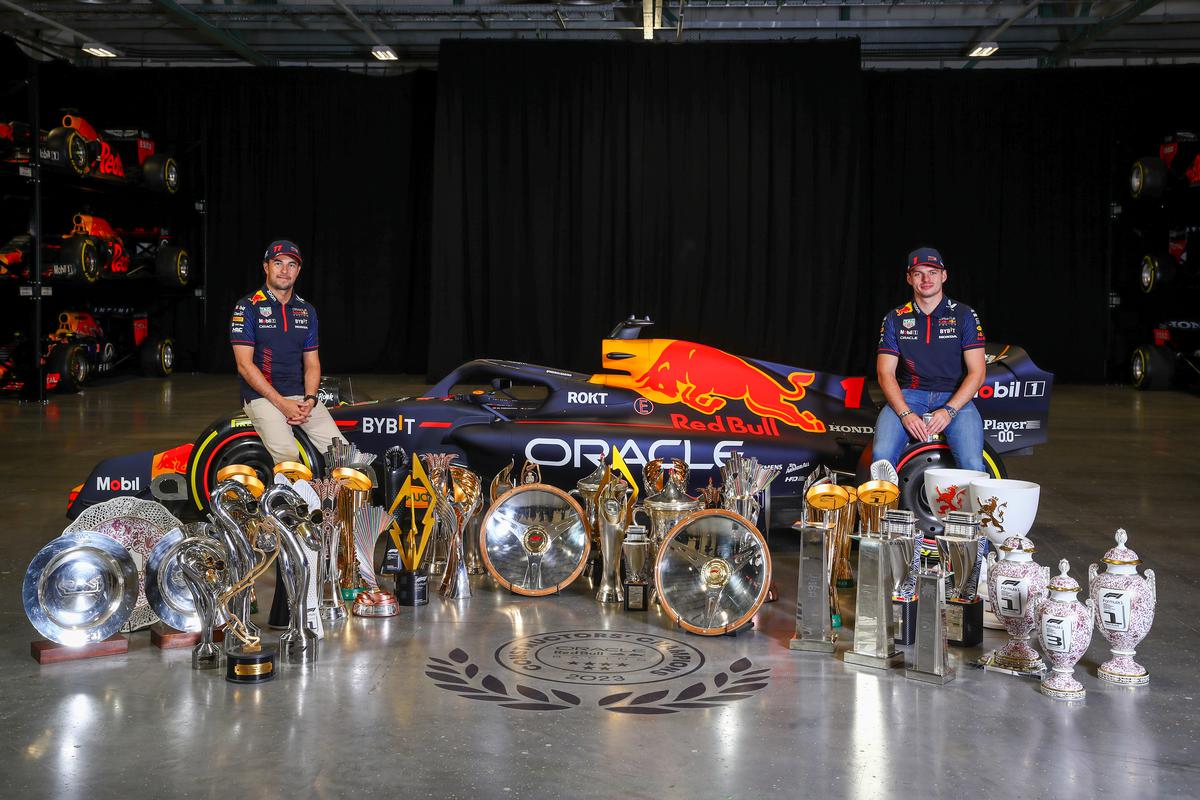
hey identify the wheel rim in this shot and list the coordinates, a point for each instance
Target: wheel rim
(1149, 269)
(168, 356)
(77, 367)
(77, 152)
(1138, 367)
(171, 175)
(182, 268)
(90, 262)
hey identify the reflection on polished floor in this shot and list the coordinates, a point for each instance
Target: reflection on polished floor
(442, 702)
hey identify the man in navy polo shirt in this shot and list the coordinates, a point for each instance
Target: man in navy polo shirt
(930, 360)
(274, 336)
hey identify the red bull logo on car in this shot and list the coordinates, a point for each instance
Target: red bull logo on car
(706, 379)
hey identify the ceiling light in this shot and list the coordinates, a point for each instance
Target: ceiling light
(101, 50)
(983, 50)
(383, 52)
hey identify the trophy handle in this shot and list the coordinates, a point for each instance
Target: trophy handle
(991, 559)
(1091, 607)
(640, 508)
(1093, 570)
(1151, 583)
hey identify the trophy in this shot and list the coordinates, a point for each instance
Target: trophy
(458, 494)
(814, 626)
(666, 508)
(826, 504)
(203, 565)
(900, 530)
(355, 493)
(329, 593)
(533, 540)
(1124, 604)
(744, 483)
(416, 493)
(1016, 584)
(930, 662)
(369, 523)
(637, 550)
(656, 474)
(874, 643)
(614, 511)
(232, 507)
(961, 551)
(1065, 630)
(289, 513)
(586, 490)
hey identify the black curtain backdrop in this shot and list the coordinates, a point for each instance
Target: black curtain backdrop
(338, 162)
(712, 186)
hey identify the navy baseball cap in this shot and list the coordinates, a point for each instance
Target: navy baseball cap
(282, 247)
(922, 257)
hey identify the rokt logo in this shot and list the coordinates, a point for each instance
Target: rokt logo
(106, 484)
(587, 398)
(1012, 389)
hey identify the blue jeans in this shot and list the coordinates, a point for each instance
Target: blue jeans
(964, 433)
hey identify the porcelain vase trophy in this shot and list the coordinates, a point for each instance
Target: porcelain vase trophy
(1065, 630)
(1016, 584)
(1124, 604)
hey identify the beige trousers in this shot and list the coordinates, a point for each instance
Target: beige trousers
(279, 437)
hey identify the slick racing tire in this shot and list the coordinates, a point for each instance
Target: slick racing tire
(930, 455)
(1151, 368)
(1154, 271)
(1147, 178)
(69, 150)
(161, 173)
(158, 356)
(234, 441)
(173, 266)
(69, 360)
(80, 259)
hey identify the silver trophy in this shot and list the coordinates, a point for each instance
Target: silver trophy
(930, 662)
(534, 541)
(458, 494)
(874, 643)
(232, 508)
(814, 627)
(289, 514)
(204, 566)
(639, 555)
(903, 539)
(614, 509)
(586, 491)
(329, 593)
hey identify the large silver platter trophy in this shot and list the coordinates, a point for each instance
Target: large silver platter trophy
(137, 525)
(80, 588)
(533, 540)
(713, 572)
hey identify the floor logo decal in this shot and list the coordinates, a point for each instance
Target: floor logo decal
(608, 659)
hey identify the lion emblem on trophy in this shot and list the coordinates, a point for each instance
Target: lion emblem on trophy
(948, 499)
(991, 512)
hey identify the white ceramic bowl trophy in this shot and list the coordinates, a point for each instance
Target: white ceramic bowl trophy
(1006, 508)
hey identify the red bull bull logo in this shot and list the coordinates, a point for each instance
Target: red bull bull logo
(171, 461)
(706, 379)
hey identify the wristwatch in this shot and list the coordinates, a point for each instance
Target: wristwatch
(313, 397)
(905, 414)
(951, 410)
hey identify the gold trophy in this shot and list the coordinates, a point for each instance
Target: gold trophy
(355, 493)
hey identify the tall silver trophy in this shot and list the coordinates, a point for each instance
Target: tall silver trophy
(204, 567)
(961, 551)
(874, 643)
(614, 510)
(639, 559)
(290, 515)
(930, 662)
(900, 530)
(459, 496)
(814, 625)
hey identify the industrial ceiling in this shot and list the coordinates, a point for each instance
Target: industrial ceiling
(902, 34)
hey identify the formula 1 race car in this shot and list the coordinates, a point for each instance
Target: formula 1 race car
(1175, 167)
(119, 155)
(658, 398)
(1173, 359)
(82, 349)
(1176, 266)
(94, 249)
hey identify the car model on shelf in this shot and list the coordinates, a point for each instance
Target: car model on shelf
(1175, 167)
(75, 146)
(87, 345)
(657, 398)
(95, 249)
(1172, 360)
(1176, 266)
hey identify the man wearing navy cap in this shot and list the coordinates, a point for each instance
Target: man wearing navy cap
(930, 360)
(274, 336)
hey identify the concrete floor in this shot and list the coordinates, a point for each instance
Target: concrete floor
(369, 721)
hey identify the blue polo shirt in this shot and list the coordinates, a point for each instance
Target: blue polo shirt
(930, 346)
(280, 335)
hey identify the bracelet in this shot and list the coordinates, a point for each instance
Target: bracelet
(905, 414)
(312, 397)
(951, 410)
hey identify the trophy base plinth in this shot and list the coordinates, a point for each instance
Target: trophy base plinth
(1123, 671)
(334, 612)
(892, 661)
(251, 667)
(904, 616)
(964, 623)
(1062, 686)
(810, 645)
(930, 677)
(164, 637)
(375, 604)
(1020, 667)
(412, 588)
(45, 651)
(610, 595)
(637, 596)
(207, 656)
